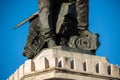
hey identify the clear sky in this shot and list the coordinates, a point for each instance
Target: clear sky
(104, 19)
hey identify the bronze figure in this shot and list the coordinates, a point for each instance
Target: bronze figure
(60, 22)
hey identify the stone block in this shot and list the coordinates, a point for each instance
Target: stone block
(53, 62)
(91, 65)
(16, 75)
(68, 66)
(21, 71)
(41, 63)
(114, 70)
(78, 64)
(103, 68)
(28, 66)
(64, 62)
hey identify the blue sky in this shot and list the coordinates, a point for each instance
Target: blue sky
(104, 19)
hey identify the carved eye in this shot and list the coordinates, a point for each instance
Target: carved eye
(80, 2)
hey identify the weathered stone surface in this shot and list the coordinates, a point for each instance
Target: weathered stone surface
(91, 63)
(68, 52)
(103, 68)
(115, 70)
(53, 62)
(41, 64)
(78, 64)
(64, 62)
(21, 71)
(29, 66)
(59, 64)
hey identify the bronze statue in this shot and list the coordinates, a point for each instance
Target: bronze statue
(49, 11)
(60, 22)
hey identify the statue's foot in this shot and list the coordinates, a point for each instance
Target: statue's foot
(29, 54)
(51, 43)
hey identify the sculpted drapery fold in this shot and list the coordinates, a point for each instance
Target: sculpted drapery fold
(60, 23)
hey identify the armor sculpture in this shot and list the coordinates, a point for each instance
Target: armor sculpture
(60, 22)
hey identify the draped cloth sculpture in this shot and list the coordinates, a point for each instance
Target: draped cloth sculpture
(60, 22)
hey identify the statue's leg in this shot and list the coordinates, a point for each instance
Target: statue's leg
(82, 14)
(45, 19)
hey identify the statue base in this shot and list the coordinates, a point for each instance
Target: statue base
(62, 63)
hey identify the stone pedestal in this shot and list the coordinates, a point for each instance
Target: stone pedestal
(63, 63)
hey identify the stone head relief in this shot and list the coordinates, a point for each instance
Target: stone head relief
(60, 23)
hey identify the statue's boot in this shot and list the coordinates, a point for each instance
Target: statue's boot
(51, 43)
